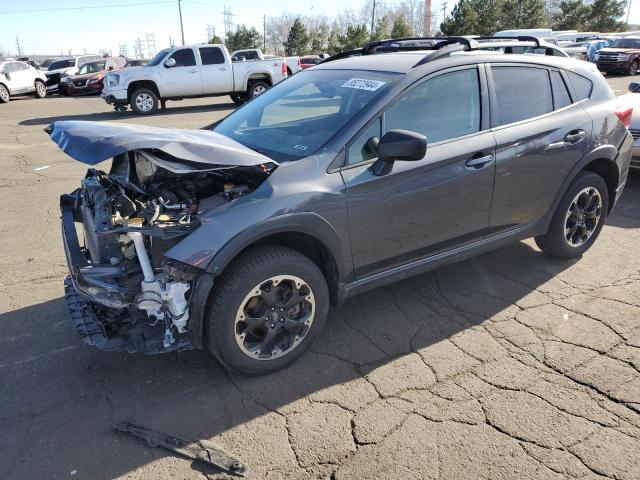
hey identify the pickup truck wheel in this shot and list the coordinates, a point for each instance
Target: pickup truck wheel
(144, 101)
(41, 89)
(633, 68)
(257, 88)
(579, 218)
(238, 98)
(265, 310)
(4, 94)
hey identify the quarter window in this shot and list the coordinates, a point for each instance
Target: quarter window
(581, 86)
(443, 107)
(521, 93)
(184, 57)
(211, 56)
(365, 146)
(561, 96)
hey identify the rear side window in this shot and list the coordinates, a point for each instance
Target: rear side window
(581, 86)
(211, 56)
(443, 107)
(561, 96)
(184, 57)
(521, 93)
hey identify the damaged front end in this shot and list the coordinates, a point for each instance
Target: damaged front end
(122, 292)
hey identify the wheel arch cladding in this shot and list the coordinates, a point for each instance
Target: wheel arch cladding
(608, 170)
(149, 84)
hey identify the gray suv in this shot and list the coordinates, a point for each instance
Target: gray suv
(377, 164)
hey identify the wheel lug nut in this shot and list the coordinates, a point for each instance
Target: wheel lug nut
(273, 325)
(282, 320)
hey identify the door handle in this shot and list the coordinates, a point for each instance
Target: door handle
(575, 136)
(224, 69)
(193, 70)
(479, 162)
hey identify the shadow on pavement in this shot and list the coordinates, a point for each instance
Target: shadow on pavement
(59, 398)
(627, 211)
(112, 115)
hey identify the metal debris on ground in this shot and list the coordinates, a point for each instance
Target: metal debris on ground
(196, 449)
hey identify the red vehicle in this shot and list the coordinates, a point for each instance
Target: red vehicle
(309, 61)
(90, 76)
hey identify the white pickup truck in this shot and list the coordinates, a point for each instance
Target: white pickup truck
(188, 72)
(251, 54)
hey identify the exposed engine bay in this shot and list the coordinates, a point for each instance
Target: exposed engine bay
(130, 216)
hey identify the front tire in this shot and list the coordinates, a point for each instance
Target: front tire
(238, 99)
(578, 219)
(633, 68)
(5, 96)
(265, 310)
(41, 89)
(144, 101)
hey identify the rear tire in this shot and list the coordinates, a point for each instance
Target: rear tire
(633, 68)
(5, 96)
(144, 101)
(41, 89)
(257, 286)
(257, 88)
(578, 219)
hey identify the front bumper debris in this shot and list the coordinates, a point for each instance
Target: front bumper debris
(202, 450)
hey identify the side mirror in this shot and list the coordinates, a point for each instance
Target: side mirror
(170, 63)
(399, 145)
(109, 68)
(634, 87)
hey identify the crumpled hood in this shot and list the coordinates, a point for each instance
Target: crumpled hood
(95, 142)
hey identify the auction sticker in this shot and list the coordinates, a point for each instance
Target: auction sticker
(363, 84)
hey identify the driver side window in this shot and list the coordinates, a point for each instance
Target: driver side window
(184, 57)
(365, 146)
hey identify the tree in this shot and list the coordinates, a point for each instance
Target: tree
(215, 39)
(297, 42)
(243, 38)
(604, 14)
(318, 35)
(463, 20)
(570, 15)
(355, 37)
(523, 14)
(334, 44)
(400, 28)
(382, 29)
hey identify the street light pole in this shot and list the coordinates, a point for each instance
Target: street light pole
(629, 12)
(181, 27)
(373, 16)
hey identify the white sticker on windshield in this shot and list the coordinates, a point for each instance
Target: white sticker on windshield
(363, 84)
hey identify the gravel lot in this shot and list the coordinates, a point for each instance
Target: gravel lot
(506, 366)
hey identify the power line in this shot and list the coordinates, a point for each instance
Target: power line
(88, 7)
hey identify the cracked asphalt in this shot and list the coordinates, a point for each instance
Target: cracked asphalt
(510, 365)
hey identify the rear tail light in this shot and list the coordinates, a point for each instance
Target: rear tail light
(299, 62)
(624, 114)
(284, 69)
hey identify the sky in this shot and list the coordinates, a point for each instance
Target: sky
(89, 29)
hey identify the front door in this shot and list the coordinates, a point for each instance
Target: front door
(541, 133)
(428, 206)
(184, 78)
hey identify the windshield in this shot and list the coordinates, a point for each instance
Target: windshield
(297, 117)
(92, 67)
(61, 64)
(625, 43)
(158, 58)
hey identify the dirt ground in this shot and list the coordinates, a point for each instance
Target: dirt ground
(507, 366)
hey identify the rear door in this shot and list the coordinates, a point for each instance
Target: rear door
(541, 132)
(184, 78)
(421, 208)
(217, 76)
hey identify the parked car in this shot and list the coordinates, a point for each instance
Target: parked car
(633, 99)
(577, 51)
(65, 66)
(90, 76)
(19, 78)
(353, 174)
(196, 71)
(621, 56)
(309, 61)
(592, 48)
(137, 62)
(293, 62)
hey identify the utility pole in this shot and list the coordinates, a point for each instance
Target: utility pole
(151, 44)
(426, 28)
(629, 12)
(264, 33)
(137, 48)
(122, 50)
(18, 47)
(227, 20)
(181, 27)
(373, 16)
(444, 11)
